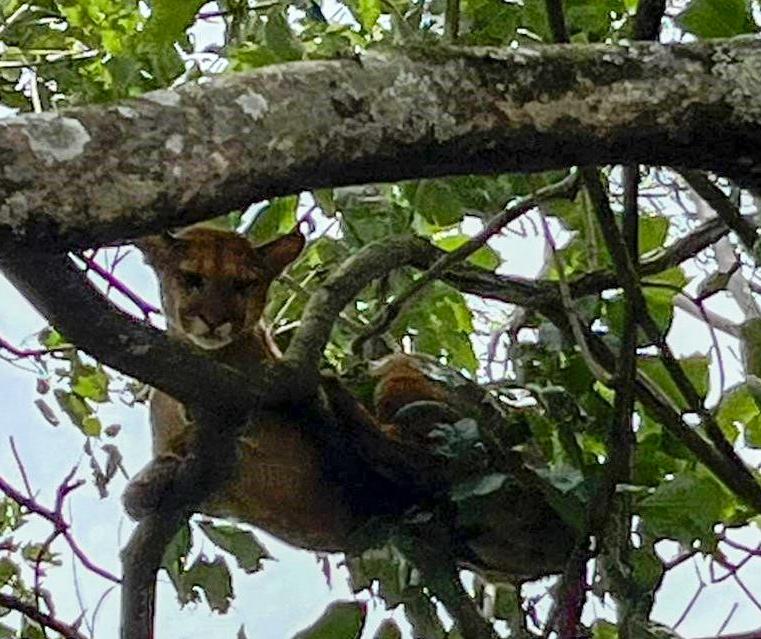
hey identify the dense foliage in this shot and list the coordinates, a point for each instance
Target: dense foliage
(545, 360)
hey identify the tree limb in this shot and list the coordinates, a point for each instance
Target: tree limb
(304, 352)
(682, 249)
(174, 157)
(647, 22)
(63, 295)
(725, 210)
(628, 278)
(47, 621)
(556, 18)
(462, 252)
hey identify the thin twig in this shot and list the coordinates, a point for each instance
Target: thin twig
(628, 278)
(724, 208)
(146, 308)
(21, 468)
(34, 353)
(462, 252)
(452, 21)
(48, 621)
(598, 371)
(55, 517)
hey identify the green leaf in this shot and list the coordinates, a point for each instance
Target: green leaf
(275, 219)
(78, 411)
(604, 630)
(31, 630)
(653, 231)
(250, 55)
(437, 202)
(738, 405)
(325, 200)
(369, 11)
(750, 346)
(717, 18)
(371, 212)
(90, 382)
(242, 544)
(647, 568)
(562, 476)
(694, 366)
(341, 620)
(652, 458)
(388, 630)
(506, 602)
(672, 511)
(10, 515)
(485, 257)
(37, 552)
(8, 570)
(440, 323)
(175, 556)
(453, 440)
(659, 300)
(51, 338)
(478, 487)
(170, 18)
(489, 22)
(91, 426)
(488, 195)
(279, 37)
(213, 578)
(590, 20)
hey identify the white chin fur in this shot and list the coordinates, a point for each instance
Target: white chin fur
(209, 343)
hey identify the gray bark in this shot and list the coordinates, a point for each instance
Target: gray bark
(106, 173)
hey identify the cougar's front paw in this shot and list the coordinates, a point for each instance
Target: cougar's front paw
(145, 494)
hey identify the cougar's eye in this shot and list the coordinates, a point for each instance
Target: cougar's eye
(192, 281)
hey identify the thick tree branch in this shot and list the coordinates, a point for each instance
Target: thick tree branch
(543, 295)
(430, 551)
(61, 293)
(682, 249)
(99, 174)
(304, 352)
(210, 463)
(610, 512)
(141, 559)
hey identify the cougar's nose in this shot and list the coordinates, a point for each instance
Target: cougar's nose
(224, 331)
(198, 326)
(213, 318)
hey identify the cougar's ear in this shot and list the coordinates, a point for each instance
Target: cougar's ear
(281, 252)
(156, 248)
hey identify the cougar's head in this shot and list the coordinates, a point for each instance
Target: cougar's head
(214, 283)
